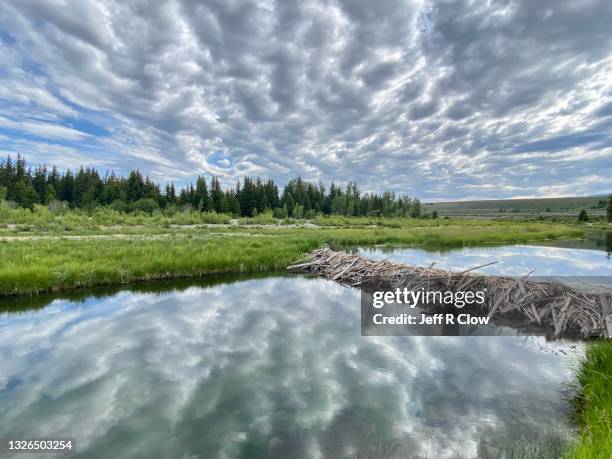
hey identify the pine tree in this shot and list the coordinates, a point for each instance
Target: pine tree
(201, 194)
(66, 187)
(170, 194)
(39, 182)
(289, 203)
(135, 186)
(216, 195)
(25, 194)
(86, 189)
(50, 194)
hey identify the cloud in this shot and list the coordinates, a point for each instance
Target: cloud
(426, 98)
(45, 130)
(234, 366)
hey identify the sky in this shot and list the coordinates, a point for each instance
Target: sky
(440, 100)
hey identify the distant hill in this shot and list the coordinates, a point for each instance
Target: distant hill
(594, 205)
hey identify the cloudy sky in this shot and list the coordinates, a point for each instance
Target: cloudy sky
(442, 100)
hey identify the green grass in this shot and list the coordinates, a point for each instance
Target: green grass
(265, 218)
(34, 266)
(528, 446)
(42, 219)
(54, 262)
(594, 403)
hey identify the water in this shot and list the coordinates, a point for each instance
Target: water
(265, 367)
(514, 260)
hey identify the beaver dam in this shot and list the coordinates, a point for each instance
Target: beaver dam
(560, 309)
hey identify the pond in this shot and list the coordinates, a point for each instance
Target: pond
(266, 367)
(556, 259)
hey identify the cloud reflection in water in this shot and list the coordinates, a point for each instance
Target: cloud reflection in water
(273, 367)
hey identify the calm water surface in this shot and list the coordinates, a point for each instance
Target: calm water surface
(515, 260)
(269, 367)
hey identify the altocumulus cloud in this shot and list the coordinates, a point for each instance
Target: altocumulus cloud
(442, 100)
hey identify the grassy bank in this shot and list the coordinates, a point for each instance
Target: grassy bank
(594, 403)
(64, 260)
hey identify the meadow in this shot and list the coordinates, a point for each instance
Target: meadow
(45, 250)
(566, 207)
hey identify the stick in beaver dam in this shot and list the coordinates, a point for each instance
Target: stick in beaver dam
(563, 309)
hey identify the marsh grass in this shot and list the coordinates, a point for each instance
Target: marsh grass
(31, 265)
(53, 265)
(594, 403)
(265, 218)
(397, 222)
(529, 446)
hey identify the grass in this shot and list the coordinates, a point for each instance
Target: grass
(551, 206)
(35, 266)
(61, 219)
(594, 403)
(42, 219)
(103, 255)
(528, 446)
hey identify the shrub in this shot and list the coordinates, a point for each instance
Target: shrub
(147, 205)
(57, 207)
(280, 212)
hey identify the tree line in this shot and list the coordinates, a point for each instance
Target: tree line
(87, 189)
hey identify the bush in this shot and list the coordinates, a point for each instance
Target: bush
(214, 218)
(170, 210)
(298, 211)
(147, 205)
(186, 208)
(58, 207)
(119, 206)
(280, 212)
(310, 214)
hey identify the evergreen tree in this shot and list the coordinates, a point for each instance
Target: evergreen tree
(86, 189)
(25, 194)
(216, 195)
(289, 203)
(66, 187)
(39, 182)
(135, 187)
(50, 194)
(201, 194)
(249, 198)
(170, 194)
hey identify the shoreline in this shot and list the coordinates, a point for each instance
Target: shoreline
(32, 266)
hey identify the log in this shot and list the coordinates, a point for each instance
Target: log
(552, 305)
